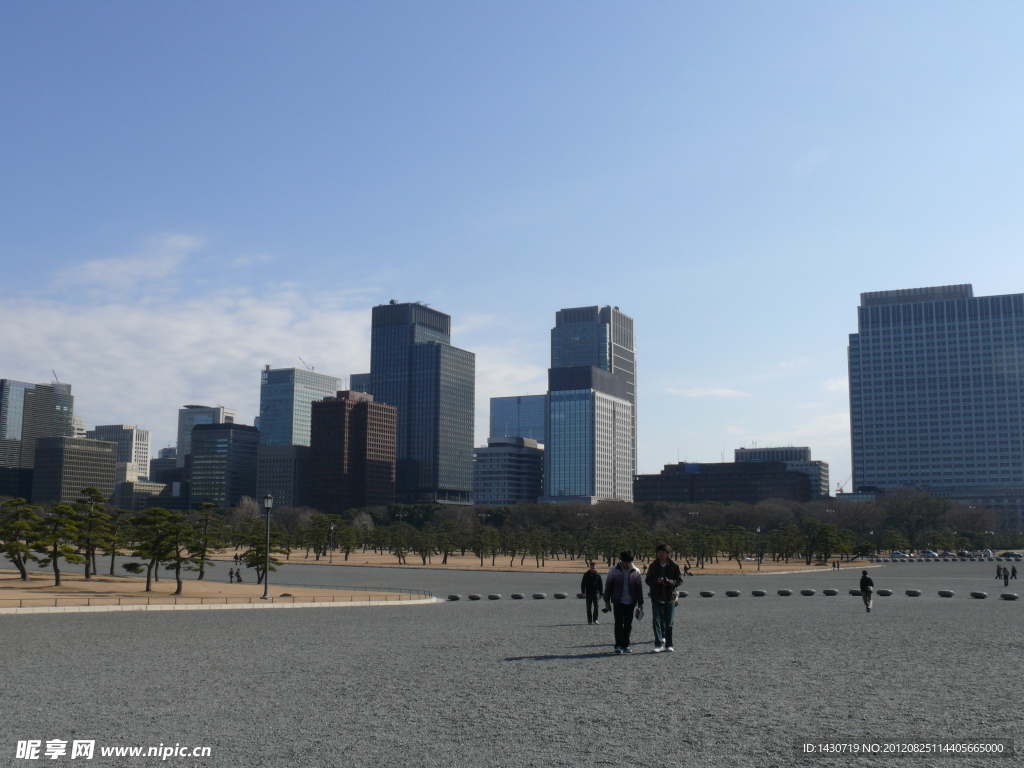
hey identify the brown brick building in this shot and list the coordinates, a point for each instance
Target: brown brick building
(352, 453)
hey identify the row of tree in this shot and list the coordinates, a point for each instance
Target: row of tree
(82, 532)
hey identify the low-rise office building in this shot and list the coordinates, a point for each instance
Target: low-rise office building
(740, 482)
(507, 471)
(64, 466)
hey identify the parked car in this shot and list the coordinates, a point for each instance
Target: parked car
(928, 553)
(899, 554)
(1010, 554)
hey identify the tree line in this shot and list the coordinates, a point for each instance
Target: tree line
(90, 529)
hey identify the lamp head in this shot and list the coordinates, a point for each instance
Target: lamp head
(268, 502)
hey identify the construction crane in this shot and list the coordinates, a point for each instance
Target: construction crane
(308, 366)
(839, 486)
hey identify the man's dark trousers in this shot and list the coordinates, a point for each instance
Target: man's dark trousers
(592, 608)
(623, 623)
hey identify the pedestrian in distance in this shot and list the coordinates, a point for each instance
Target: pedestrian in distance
(238, 576)
(623, 594)
(591, 587)
(1006, 577)
(867, 589)
(999, 571)
(1013, 572)
(231, 576)
(686, 569)
(664, 578)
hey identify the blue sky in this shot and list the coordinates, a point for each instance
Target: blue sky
(190, 190)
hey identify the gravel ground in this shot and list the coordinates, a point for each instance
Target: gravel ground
(528, 683)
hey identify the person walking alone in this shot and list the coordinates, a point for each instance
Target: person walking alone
(623, 593)
(867, 589)
(591, 587)
(1013, 572)
(231, 576)
(1006, 576)
(664, 578)
(999, 572)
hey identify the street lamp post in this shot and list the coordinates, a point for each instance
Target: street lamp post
(268, 505)
(331, 559)
(760, 548)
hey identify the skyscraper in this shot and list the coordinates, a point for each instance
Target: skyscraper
(191, 415)
(935, 395)
(521, 416)
(48, 412)
(286, 395)
(64, 466)
(132, 445)
(352, 455)
(432, 385)
(590, 455)
(12, 415)
(223, 464)
(286, 398)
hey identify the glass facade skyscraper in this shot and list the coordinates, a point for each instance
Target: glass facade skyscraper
(432, 385)
(49, 411)
(935, 395)
(12, 415)
(521, 416)
(590, 453)
(223, 464)
(286, 397)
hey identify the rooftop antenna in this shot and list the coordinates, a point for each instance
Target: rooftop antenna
(55, 375)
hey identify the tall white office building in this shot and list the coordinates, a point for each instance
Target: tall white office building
(132, 447)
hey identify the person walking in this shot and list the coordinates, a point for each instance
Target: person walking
(238, 576)
(867, 589)
(231, 576)
(1006, 576)
(1013, 572)
(623, 593)
(591, 587)
(664, 578)
(999, 571)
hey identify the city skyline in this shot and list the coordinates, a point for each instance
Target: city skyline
(735, 180)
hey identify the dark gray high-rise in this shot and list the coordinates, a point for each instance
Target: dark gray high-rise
(29, 412)
(935, 395)
(432, 385)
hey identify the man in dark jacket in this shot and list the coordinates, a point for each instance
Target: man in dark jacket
(867, 589)
(623, 593)
(664, 578)
(591, 587)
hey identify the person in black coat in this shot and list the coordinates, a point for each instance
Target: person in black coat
(867, 589)
(664, 578)
(591, 587)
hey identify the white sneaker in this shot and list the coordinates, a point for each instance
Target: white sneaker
(670, 648)
(658, 649)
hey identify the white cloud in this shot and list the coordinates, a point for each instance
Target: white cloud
(706, 392)
(138, 363)
(157, 261)
(837, 384)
